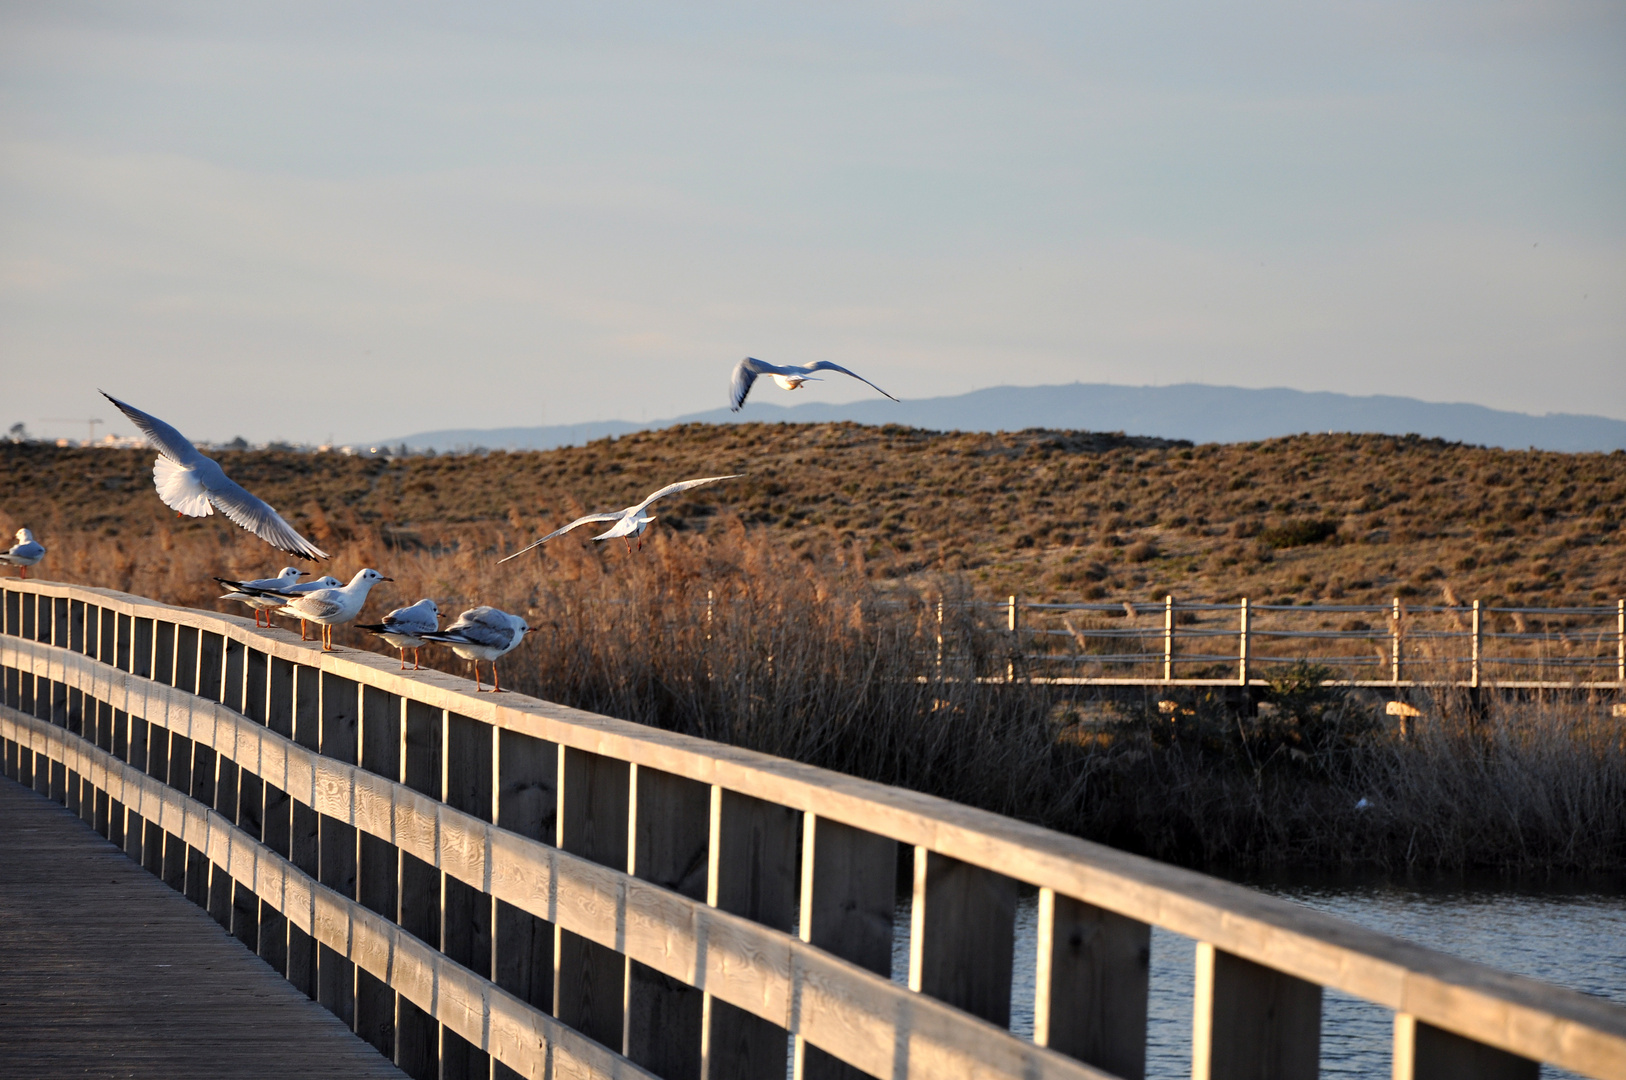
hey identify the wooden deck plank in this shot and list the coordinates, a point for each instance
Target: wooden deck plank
(104, 971)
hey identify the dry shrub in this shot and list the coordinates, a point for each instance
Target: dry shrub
(733, 636)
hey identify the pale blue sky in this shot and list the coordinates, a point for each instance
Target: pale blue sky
(408, 216)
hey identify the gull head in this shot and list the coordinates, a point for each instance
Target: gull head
(291, 573)
(368, 577)
(25, 536)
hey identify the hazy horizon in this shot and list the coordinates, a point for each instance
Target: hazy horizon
(296, 221)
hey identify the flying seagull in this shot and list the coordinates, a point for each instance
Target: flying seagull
(193, 485)
(483, 633)
(24, 553)
(789, 377)
(289, 575)
(404, 627)
(630, 522)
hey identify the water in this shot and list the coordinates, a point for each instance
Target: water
(1575, 939)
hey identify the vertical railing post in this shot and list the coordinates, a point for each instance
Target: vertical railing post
(848, 896)
(1473, 675)
(1620, 641)
(1249, 1020)
(939, 639)
(1090, 984)
(1394, 642)
(1168, 638)
(1242, 656)
(1422, 1051)
(1013, 625)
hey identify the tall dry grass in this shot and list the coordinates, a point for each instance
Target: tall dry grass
(731, 636)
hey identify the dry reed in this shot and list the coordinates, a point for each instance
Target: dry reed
(730, 636)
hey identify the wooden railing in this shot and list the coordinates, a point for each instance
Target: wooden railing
(484, 885)
(1394, 645)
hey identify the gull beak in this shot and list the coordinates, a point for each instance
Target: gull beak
(382, 578)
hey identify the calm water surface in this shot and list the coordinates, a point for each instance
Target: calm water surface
(1575, 939)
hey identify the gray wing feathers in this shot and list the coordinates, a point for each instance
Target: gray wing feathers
(169, 442)
(256, 515)
(673, 489)
(825, 365)
(614, 515)
(315, 607)
(745, 373)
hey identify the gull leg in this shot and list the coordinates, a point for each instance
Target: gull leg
(403, 658)
(477, 687)
(416, 666)
(495, 689)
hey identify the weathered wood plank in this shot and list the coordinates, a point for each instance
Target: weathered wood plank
(81, 924)
(1090, 987)
(1249, 1021)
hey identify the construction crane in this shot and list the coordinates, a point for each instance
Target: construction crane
(90, 424)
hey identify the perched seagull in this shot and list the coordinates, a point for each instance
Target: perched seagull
(483, 633)
(789, 377)
(403, 627)
(329, 606)
(630, 522)
(305, 587)
(194, 486)
(289, 575)
(24, 553)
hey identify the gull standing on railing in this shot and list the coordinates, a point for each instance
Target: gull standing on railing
(194, 485)
(288, 575)
(331, 606)
(483, 633)
(630, 522)
(790, 377)
(24, 553)
(404, 627)
(275, 598)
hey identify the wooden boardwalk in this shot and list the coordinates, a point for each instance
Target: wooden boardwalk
(107, 972)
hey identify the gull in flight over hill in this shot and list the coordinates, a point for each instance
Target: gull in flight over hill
(630, 522)
(289, 575)
(483, 633)
(24, 553)
(193, 485)
(326, 607)
(789, 377)
(404, 628)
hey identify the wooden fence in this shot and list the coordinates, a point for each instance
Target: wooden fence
(495, 886)
(1394, 645)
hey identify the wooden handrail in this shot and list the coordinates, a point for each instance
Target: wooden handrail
(1520, 1016)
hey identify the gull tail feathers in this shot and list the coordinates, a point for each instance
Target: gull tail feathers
(180, 489)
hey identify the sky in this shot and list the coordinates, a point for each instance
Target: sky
(357, 220)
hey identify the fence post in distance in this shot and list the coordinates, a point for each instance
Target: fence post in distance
(1168, 638)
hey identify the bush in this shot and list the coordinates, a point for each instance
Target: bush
(1299, 532)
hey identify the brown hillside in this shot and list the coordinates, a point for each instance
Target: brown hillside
(1048, 514)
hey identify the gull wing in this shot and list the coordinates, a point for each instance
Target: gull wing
(825, 365)
(313, 606)
(613, 515)
(673, 489)
(483, 626)
(169, 442)
(258, 517)
(745, 373)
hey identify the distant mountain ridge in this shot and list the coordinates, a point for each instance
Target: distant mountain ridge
(1192, 411)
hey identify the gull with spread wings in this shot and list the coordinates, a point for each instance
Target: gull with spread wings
(630, 522)
(194, 485)
(789, 377)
